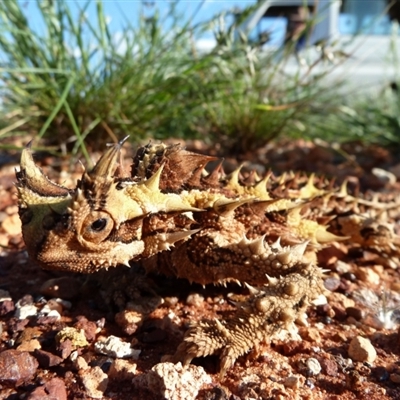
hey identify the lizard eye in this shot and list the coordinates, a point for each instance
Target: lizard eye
(97, 226)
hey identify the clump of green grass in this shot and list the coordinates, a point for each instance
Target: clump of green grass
(73, 83)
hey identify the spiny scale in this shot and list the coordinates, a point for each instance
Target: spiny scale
(206, 227)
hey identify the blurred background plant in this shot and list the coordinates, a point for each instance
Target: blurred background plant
(78, 85)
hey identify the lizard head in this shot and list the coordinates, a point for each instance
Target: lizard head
(78, 229)
(99, 223)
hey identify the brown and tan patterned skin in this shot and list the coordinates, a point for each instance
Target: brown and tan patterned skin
(179, 220)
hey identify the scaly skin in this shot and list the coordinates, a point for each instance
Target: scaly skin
(178, 220)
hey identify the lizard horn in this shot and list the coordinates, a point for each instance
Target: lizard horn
(33, 183)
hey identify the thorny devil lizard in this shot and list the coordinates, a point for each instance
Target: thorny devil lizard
(179, 220)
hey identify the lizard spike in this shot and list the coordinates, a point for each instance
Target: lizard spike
(299, 249)
(285, 257)
(220, 327)
(325, 271)
(224, 207)
(253, 291)
(292, 254)
(261, 187)
(277, 244)
(282, 179)
(174, 237)
(323, 236)
(234, 178)
(126, 263)
(257, 177)
(271, 280)
(214, 176)
(310, 190)
(262, 184)
(343, 189)
(104, 167)
(153, 183)
(257, 245)
(31, 178)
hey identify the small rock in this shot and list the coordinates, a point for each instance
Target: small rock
(309, 383)
(113, 346)
(29, 345)
(89, 327)
(23, 301)
(64, 348)
(129, 321)
(95, 382)
(27, 299)
(395, 378)
(331, 283)
(311, 335)
(330, 367)
(25, 311)
(47, 359)
(170, 301)
(16, 367)
(293, 382)
(341, 299)
(195, 299)
(49, 319)
(80, 363)
(368, 275)
(356, 313)
(122, 370)
(354, 380)
(29, 333)
(362, 350)
(52, 305)
(53, 389)
(12, 224)
(6, 303)
(6, 306)
(342, 267)
(77, 337)
(172, 381)
(17, 325)
(309, 366)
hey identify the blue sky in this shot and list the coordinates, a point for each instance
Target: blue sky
(119, 11)
(130, 8)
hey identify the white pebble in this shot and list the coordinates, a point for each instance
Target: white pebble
(95, 382)
(313, 366)
(28, 310)
(361, 349)
(172, 381)
(113, 346)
